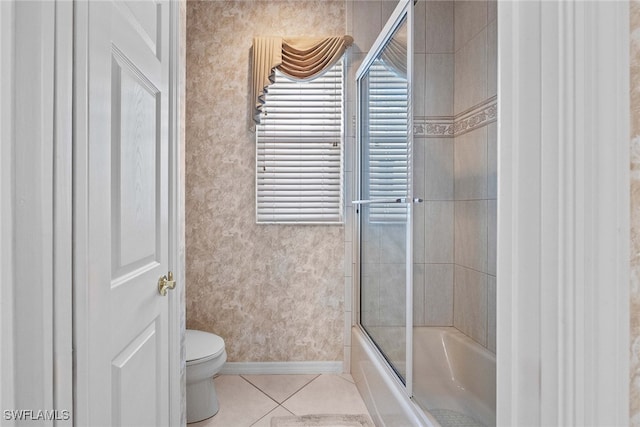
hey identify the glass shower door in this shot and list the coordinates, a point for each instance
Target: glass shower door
(385, 206)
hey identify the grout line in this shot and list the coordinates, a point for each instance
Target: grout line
(260, 390)
(341, 376)
(298, 390)
(271, 412)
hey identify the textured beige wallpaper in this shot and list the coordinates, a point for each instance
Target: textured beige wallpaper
(274, 293)
(635, 215)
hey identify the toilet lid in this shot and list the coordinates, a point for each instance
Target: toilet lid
(201, 345)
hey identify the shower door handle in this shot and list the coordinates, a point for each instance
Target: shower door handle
(387, 201)
(378, 201)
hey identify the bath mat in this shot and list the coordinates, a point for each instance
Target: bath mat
(332, 420)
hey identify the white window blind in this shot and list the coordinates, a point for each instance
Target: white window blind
(299, 151)
(388, 151)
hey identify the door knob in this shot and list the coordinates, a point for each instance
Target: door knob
(166, 282)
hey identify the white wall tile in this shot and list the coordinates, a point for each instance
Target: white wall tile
(388, 6)
(419, 167)
(366, 24)
(347, 328)
(393, 243)
(471, 73)
(439, 27)
(471, 224)
(370, 245)
(420, 26)
(470, 302)
(470, 17)
(355, 60)
(492, 10)
(348, 294)
(492, 160)
(349, 16)
(492, 236)
(419, 84)
(349, 153)
(439, 169)
(419, 233)
(393, 294)
(418, 295)
(438, 294)
(492, 59)
(440, 73)
(348, 258)
(349, 225)
(491, 313)
(348, 187)
(470, 164)
(370, 294)
(439, 230)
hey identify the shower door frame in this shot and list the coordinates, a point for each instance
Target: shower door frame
(404, 10)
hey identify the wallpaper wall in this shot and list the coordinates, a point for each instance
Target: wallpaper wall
(273, 292)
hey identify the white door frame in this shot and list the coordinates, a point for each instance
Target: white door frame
(7, 33)
(36, 358)
(177, 302)
(563, 213)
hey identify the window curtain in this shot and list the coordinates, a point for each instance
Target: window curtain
(301, 58)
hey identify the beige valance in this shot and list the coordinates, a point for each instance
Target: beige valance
(394, 57)
(301, 58)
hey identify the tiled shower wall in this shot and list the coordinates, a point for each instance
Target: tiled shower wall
(455, 135)
(455, 140)
(475, 169)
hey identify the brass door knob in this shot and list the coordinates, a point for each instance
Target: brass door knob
(166, 282)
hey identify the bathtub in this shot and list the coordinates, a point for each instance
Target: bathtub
(454, 377)
(454, 381)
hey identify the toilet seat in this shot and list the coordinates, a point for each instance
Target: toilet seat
(202, 346)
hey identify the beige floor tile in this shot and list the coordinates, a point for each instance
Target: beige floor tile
(241, 404)
(327, 394)
(266, 420)
(279, 387)
(348, 377)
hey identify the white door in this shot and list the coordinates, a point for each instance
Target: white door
(121, 217)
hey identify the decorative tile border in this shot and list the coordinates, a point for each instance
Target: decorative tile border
(433, 127)
(452, 126)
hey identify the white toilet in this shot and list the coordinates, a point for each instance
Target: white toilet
(205, 357)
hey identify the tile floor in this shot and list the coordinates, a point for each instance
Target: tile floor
(251, 400)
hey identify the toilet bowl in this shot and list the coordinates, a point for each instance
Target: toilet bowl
(205, 357)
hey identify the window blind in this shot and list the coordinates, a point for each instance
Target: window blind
(388, 150)
(299, 150)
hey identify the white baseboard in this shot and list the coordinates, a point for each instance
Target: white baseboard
(279, 368)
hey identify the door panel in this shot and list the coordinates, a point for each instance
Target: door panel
(123, 365)
(136, 361)
(136, 202)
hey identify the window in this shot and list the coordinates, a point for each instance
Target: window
(299, 151)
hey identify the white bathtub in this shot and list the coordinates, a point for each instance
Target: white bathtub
(453, 375)
(454, 381)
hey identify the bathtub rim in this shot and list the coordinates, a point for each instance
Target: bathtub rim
(416, 414)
